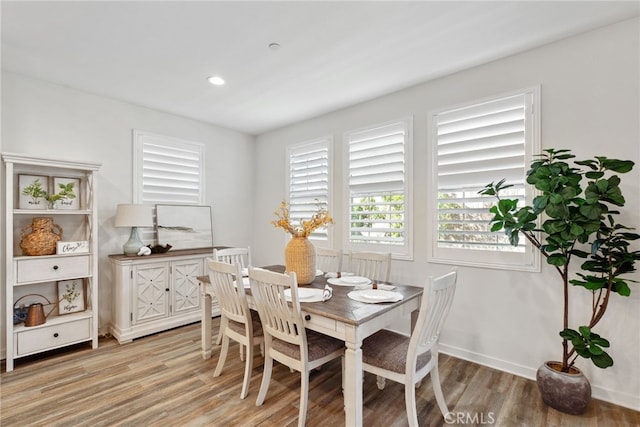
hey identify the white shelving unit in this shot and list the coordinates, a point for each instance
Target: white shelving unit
(40, 275)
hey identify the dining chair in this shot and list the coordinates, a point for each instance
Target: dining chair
(240, 256)
(235, 255)
(237, 321)
(408, 360)
(328, 260)
(286, 340)
(374, 265)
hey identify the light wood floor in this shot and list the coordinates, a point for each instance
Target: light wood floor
(162, 380)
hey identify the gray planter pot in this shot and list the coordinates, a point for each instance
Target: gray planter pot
(567, 392)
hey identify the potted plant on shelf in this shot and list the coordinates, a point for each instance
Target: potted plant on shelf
(580, 221)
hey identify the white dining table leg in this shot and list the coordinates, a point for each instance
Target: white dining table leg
(205, 326)
(353, 383)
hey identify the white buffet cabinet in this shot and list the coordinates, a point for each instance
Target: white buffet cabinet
(157, 292)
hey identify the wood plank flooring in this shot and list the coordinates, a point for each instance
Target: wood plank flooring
(162, 380)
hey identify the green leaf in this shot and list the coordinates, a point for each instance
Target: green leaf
(594, 175)
(602, 361)
(620, 166)
(585, 331)
(557, 260)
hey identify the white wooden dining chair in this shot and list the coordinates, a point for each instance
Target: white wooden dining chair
(286, 340)
(328, 260)
(408, 360)
(240, 256)
(237, 321)
(236, 255)
(373, 265)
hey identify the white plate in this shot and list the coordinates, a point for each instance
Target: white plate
(319, 272)
(375, 296)
(349, 281)
(306, 294)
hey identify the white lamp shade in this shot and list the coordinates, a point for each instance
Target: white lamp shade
(134, 215)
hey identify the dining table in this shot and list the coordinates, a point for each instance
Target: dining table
(340, 317)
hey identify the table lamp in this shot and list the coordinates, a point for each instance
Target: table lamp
(134, 216)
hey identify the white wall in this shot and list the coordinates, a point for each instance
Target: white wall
(505, 319)
(45, 119)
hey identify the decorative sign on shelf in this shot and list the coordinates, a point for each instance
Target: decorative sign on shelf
(78, 247)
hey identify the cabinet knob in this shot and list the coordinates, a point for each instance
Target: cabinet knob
(55, 267)
(55, 335)
(167, 289)
(307, 317)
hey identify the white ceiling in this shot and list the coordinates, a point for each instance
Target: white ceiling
(158, 54)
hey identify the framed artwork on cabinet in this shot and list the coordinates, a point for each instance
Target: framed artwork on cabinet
(71, 297)
(33, 191)
(184, 226)
(66, 192)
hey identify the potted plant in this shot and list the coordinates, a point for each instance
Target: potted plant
(36, 192)
(580, 221)
(65, 193)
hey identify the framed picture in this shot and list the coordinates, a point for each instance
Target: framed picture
(33, 191)
(70, 296)
(66, 193)
(184, 226)
(79, 247)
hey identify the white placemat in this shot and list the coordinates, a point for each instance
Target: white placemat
(374, 296)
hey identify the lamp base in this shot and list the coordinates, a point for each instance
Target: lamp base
(133, 245)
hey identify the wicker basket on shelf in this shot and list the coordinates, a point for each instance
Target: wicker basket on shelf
(43, 238)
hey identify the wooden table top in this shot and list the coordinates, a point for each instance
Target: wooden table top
(342, 308)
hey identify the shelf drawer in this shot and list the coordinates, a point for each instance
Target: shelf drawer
(49, 337)
(38, 269)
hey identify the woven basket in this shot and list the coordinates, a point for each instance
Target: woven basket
(300, 257)
(43, 238)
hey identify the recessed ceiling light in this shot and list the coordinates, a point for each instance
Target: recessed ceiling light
(274, 46)
(216, 80)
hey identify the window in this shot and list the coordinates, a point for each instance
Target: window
(378, 188)
(473, 146)
(167, 170)
(309, 181)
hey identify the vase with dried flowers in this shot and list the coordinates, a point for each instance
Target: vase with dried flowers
(299, 254)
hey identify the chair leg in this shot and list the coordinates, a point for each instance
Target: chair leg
(410, 402)
(380, 382)
(223, 356)
(437, 390)
(304, 397)
(248, 367)
(266, 378)
(241, 353)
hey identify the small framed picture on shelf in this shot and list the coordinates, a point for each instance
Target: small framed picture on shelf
(79, 247)
(71, 296)
(33, 191)
(65, 193)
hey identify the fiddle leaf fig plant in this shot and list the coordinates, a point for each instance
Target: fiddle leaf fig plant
(577, 205)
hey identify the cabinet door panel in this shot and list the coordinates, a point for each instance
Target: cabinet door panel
(186, 286)
(150, 292)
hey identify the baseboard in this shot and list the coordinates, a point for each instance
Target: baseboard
(612, 396)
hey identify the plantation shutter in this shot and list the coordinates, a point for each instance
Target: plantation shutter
(476, 145)
(378, 186)
(309, 182)
(169, 170)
